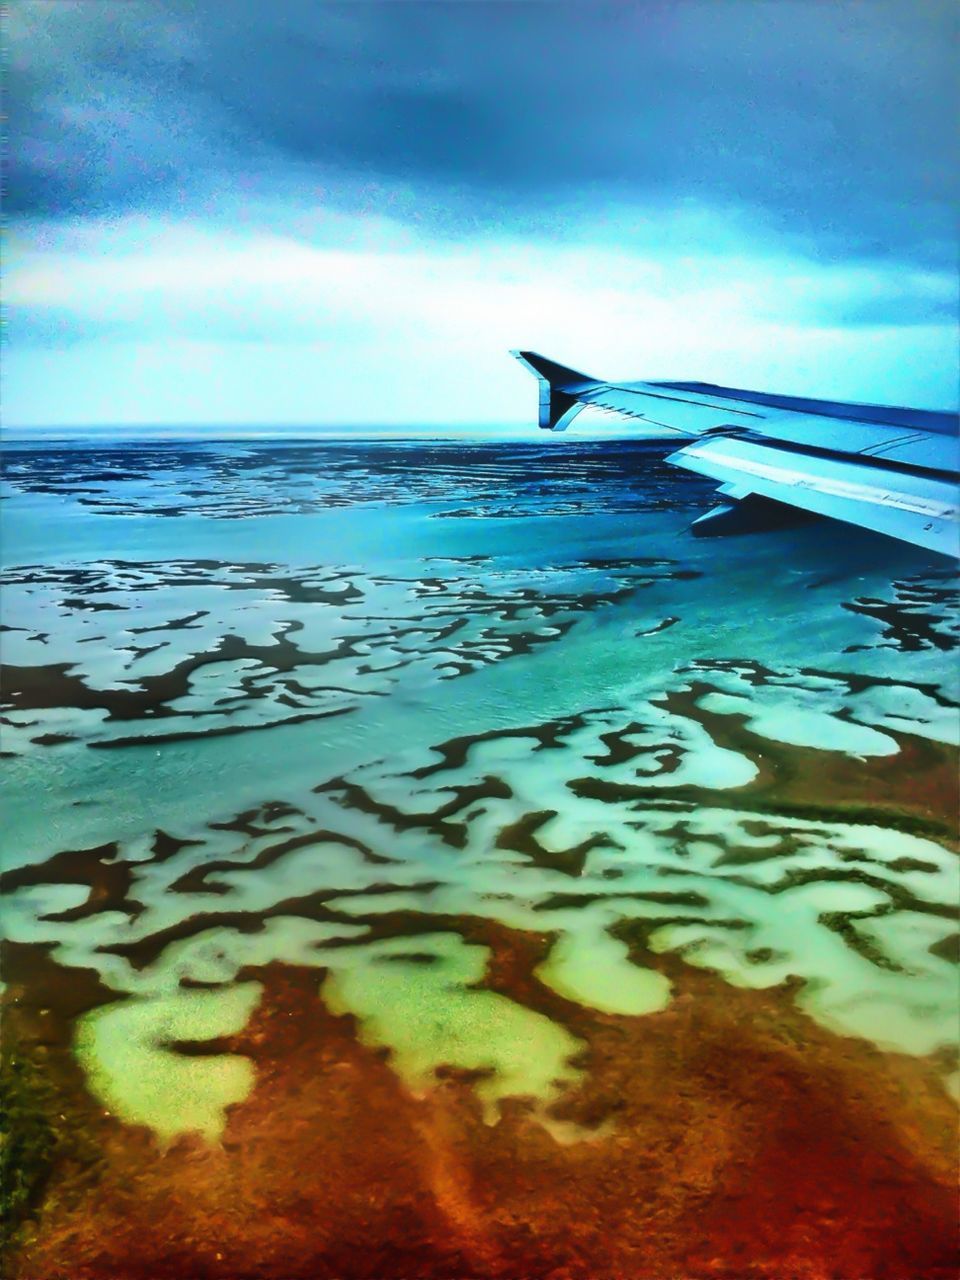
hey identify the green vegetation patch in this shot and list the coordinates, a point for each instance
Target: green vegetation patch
(28, 1143)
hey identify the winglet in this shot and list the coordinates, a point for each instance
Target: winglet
(559, 403)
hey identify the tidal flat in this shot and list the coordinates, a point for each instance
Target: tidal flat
(426, 859)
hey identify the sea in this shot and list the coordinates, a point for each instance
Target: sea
(425, 857)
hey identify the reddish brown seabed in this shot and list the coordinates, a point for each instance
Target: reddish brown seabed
(735, 1138)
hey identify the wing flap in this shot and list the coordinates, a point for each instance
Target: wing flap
(913, 508)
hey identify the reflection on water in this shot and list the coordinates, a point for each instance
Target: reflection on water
(547, 835)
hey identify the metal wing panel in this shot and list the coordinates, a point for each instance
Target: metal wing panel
(674, 412)
(693, 408)
(914, 508)
(888, 469)
(564, 391)
(847, 436)
(937, 421)
(931, 452)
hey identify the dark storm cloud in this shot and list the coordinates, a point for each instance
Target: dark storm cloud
(832, 122)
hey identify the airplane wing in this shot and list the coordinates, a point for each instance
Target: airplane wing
(891, 470)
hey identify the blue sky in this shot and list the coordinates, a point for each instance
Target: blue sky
(342, 214)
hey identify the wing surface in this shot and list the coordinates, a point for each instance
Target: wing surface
(893, 470)
(914, 508)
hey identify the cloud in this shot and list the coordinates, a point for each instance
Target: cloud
(828, 122)
(346, 212)
(152, 277)
(372, 324)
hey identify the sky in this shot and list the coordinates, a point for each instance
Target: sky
(341, 214)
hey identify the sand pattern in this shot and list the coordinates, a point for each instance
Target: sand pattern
(254, 645)
(516, 909)
(227, 481)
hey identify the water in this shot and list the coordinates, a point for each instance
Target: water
(471, 749)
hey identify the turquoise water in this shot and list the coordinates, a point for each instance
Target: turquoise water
(319, 702)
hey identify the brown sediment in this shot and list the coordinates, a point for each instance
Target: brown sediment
(520, 837)
(489, 479)
(197, 879)
(671, 898)
(914, 789)
(844, 923)
(662, 625)
(352, 795)
(59, 685)
(491, 646)
(548, 735)
(747, 855)
(93, 606)
(755, 673)
(220, 731)
(187, 622)
(268, 811)
(476, 559)
(167, 846)
(919, 617)
(99, 869)
(309, 906)
(733, 1137)
(53, 1131)
(620, 750)
(432, 637)
(947, 948)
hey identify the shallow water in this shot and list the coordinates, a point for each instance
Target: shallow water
(469, 757)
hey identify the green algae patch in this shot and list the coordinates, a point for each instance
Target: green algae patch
(435, 1016)
(593, 968)
(126, 1050)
